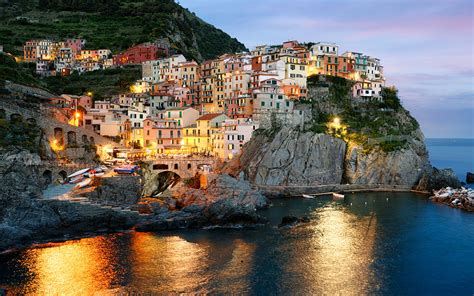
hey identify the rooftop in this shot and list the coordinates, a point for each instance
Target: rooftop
(209, 116)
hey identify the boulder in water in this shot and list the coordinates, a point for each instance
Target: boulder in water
(469, 178)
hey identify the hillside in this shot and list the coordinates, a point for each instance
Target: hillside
(102, 83)
(114, 24)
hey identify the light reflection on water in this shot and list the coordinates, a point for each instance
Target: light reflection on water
(347, 248)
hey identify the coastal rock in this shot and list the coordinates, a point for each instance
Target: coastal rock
(469, 178)
(434, 179)
(24, 217)
(292, 157)
(461, 198)
(401, 167)
(226, 202)
(117, 190)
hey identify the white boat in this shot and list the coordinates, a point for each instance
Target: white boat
(83, 183)
(76, 179)
(308, 196)
(337, 195)
(78, 173)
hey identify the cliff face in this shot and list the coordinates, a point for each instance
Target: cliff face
(293, 157)
(401, 167)
(382, 144)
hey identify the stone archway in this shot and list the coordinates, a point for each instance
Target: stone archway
(163, 181)
(59, 136)
(47, 177)
(84, 139)
(63, 175)
(71, 138)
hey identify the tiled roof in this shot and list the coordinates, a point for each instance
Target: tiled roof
(209, 116)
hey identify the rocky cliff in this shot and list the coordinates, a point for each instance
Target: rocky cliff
(401, 167)
(24, 217)
(344, 140)
(293, 157)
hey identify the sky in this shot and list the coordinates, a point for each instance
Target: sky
(426, 46)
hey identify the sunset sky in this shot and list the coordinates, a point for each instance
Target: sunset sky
(425, 46)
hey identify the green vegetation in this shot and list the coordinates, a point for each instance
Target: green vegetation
(22, 73)
(359, 121)
(19, 133)
(114, 24)
(101, 83)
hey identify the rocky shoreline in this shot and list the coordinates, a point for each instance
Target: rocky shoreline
(461, 198)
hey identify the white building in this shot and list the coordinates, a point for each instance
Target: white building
(324, 48)
(236, 132)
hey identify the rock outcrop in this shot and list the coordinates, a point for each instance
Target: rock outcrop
(227, 201)
(400, 167)
(462, 198)
(122, 190)
(25, 218)
(434, 179)
(293, 157)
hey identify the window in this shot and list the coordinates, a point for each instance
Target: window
(263, 103)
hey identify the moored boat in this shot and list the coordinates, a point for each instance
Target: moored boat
(337, 195)
(308, 196)
(76, 179)
(78, 173)
(126, 169)
(83, 183)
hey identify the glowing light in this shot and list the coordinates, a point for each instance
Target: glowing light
(56, 146)
(337, 121)
(90, 94)
(136, 88)
(74, 121)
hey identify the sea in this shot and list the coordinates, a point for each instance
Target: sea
(377, 243)
(457, 154)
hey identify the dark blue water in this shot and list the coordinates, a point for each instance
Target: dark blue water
(369, 243)
(457, 154)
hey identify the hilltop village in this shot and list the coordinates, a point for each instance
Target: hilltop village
(183, 107)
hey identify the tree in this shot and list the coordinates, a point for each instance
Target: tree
(390, 97)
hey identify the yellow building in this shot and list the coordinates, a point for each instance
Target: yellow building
(199, 136)
(136, 137)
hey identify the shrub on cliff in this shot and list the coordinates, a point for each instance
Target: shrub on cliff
(19, 133)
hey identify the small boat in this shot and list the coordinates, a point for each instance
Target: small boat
(93, 173)
(126, 169)
(308, 196)
(337, 195)
(78, 173)
(76, 179)
(83, 183)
